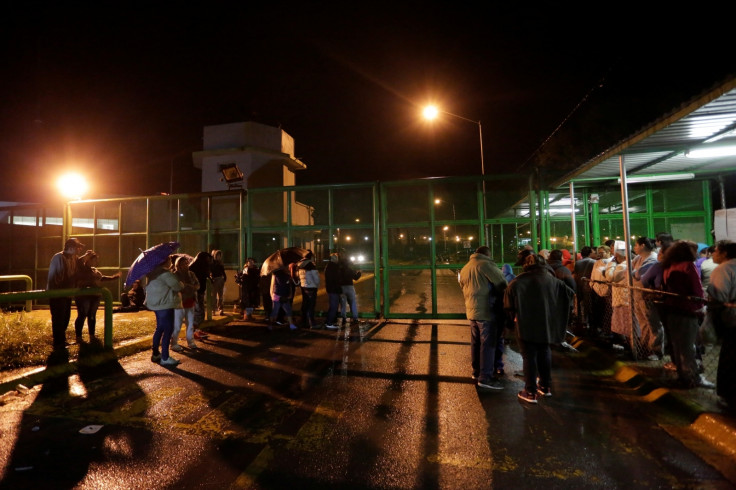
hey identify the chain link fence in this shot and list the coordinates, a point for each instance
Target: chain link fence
(645, 327)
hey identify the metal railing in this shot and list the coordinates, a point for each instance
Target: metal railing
(68, 293)
(29, 286)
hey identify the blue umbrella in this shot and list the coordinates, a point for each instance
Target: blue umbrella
(148, 260)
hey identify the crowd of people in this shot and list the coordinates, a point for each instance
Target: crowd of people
(277, 290)
(175, 292)
(683, 297)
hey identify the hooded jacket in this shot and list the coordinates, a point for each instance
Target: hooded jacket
(308, 274)
(162, 292)
(475, 280)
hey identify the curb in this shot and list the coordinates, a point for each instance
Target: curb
(716, 430)
(43, 374)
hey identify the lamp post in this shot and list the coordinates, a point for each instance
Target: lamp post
(431, 113)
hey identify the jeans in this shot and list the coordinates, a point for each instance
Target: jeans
(183, 315)
(164, 329)
(348, 297)
(483, 339)
(282, 303)
(86, 309)
(537, 362)
(334, 299)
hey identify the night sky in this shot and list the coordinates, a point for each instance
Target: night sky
(121, 91)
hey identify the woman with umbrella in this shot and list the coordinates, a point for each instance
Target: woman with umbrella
(163, 297)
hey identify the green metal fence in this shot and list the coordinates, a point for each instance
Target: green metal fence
(408, 237)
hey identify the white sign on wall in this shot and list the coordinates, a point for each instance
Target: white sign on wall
(724, 223)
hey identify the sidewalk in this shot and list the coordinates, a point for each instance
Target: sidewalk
(708, 422)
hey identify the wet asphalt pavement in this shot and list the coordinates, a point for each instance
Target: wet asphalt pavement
(380, 405)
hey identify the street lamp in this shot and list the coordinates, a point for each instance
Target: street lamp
(431, 113)
(72, 186)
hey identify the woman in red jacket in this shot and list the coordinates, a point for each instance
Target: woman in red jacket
(682, 313)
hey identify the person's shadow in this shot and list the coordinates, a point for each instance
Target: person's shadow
(50, 451)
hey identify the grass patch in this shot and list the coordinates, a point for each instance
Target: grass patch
(25, 338)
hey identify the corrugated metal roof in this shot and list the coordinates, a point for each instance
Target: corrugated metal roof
(661, 148)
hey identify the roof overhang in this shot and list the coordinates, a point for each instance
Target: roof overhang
(667, 148)
(293, 164)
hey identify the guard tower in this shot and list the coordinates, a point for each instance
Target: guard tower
(246, 155)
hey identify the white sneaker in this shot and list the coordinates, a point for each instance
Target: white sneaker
(331, 327)
(169, 362)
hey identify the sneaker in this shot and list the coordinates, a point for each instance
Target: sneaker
(704, 383)
(177, 348)
(543, 391)
(199, 335)
(192, 345)
(331, 327)
(652, 357)
(490, 385)
(293, 327)
(169, 362)
(156, 358)
(527, 396)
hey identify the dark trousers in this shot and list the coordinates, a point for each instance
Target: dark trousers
(309, 302)
(86, 309)
(332, 310)
(726, 377)
(61, 313)
(483, 340)
(537, 363)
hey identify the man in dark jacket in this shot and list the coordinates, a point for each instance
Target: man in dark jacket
(581, 273)
(540, 304)
(561, 272)
(334, 290)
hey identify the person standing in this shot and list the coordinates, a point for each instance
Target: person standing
(309, 281)
(88, 276)
(162, 297)
(281, 292)
(201, 268)
(581, 273)
(188, 301)
(681, 312)
(539, 305)
(652, 333)
(62, 272)
(332, 285)
(346, 276)
(624, 326)
(601, 308)
(249, 289)
(217, 273)
(721, 291)
(483, 287)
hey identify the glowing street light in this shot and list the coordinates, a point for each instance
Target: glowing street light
(432, 112)
(72, 186)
